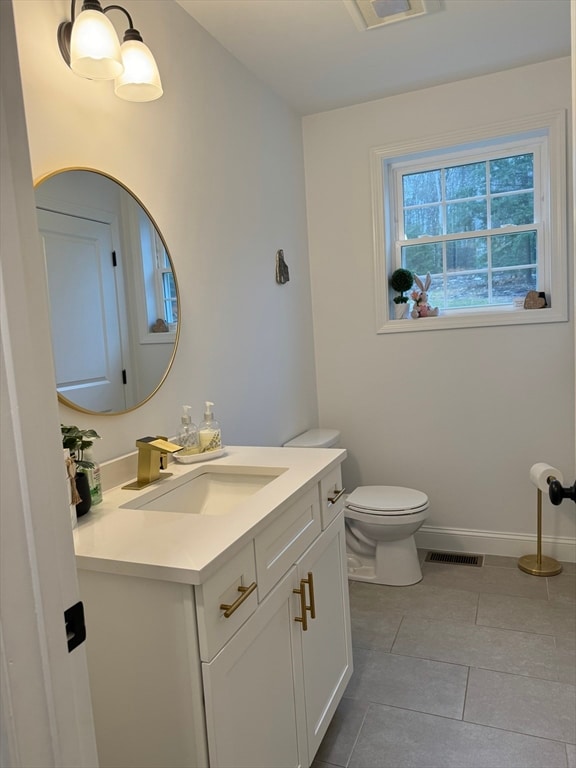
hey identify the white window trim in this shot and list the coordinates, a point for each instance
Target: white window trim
(383, 227)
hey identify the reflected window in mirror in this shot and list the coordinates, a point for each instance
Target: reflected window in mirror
(113, 292)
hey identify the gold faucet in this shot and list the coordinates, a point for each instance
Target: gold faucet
(152, 453)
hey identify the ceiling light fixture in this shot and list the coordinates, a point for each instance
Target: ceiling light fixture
(90, 46)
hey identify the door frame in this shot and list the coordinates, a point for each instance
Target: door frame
(46, 715)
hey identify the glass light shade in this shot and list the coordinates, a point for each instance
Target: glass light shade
(140, 80)
(94, 47)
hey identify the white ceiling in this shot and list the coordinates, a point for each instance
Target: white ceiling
(312, 53)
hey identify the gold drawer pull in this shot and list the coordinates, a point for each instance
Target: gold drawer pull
(312, 606)
(245, 592)
(302, 592)
(334, 499)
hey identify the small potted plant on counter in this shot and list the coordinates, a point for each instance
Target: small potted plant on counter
(77, 442)
(401, 281)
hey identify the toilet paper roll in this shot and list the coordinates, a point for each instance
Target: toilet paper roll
(539, 474)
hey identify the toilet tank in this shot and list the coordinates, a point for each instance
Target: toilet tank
(315, 438)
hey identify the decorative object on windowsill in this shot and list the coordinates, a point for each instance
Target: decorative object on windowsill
(160, 326)
(282, 271)
(421, 307)
(535, 300)
(401, 280)
(84, 481)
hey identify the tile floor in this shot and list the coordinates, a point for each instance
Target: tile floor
(470, 668)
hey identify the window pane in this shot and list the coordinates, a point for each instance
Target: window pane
(466, 217)
(512, 250)
(169, 285)
(467, 290)
(421, 188)
(510, 173)
(513, 209)
(422, 259)
(471, 253)
(422, 221)
(466, 181)
(512, 283)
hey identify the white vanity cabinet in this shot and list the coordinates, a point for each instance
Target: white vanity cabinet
(245, 669)
(272, 690)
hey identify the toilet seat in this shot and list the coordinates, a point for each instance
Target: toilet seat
(382, 500)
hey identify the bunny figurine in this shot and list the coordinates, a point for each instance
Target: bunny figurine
(421, 307)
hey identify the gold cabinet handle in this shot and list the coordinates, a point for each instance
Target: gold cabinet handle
(338, 494)
(302, 592)
(245, 593)
(312, 606)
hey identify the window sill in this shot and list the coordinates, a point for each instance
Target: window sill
(159, 338)
(474, 320)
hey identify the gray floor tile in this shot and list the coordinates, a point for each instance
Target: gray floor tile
(566, 650)
(420, 599)
(397, 738)
(562, 587)
(546, 617)
(342, 733)
(501, 561)
(522, 704)
(501, 650)
(569, 568)
(401, 681)
(373, 629)
(322, 764)
(571, 755)
(505, 581)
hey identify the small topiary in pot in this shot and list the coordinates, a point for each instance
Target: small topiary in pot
(401, 280)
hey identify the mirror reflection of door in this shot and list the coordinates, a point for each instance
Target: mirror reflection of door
(86, 335)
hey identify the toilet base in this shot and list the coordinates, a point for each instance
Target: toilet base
(396, 564)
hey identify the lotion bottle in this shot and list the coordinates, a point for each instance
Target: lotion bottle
(209, 431)
(188, 435)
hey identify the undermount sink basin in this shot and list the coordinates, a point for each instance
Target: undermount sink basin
(207, 491)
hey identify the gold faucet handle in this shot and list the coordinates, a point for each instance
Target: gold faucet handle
(158, 444)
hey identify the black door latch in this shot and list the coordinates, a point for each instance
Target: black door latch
(75, 626)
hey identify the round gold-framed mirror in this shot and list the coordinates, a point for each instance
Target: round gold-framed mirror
(114, 299)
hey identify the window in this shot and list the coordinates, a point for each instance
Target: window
(159, 285)
(484, 216)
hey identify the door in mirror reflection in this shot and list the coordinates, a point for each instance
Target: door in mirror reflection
(113, 292)
(84, 309)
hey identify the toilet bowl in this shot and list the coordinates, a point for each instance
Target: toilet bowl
(380, 524)
(381, 521)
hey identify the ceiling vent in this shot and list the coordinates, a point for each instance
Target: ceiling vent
(369, 14)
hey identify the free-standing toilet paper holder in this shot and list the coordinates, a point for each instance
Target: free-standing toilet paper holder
(538, 564)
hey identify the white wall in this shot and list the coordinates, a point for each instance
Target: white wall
(218, 162)
(460, 414)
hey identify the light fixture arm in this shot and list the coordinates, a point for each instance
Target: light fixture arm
(131, 33)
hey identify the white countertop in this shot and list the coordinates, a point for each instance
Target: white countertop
(187, 548)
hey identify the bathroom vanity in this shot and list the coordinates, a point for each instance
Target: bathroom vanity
(216, 601)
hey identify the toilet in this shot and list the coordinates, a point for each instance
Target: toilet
(381, 521)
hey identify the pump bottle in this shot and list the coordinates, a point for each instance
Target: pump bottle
(209, 431)
(188, 435)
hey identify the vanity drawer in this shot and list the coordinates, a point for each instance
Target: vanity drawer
(232, 586)
(331, 496)
(283, 541)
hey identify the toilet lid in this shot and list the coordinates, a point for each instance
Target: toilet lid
(386, 499)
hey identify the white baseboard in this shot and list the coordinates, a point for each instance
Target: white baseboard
(494, 543)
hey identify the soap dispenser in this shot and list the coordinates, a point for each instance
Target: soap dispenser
(188, 435)
(209, 431)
